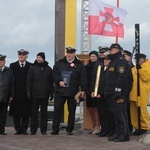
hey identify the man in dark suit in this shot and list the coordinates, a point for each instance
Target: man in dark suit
(20, 107)
(67, 68)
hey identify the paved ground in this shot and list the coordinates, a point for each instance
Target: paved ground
(64, 142)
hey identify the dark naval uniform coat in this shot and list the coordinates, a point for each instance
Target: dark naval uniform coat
(78, 79)
(20, 105)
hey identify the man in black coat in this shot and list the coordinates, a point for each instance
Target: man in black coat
(69, 75)
(6, 94)
(39, 88)
(20, 106)
(128, 57)
(116, 86)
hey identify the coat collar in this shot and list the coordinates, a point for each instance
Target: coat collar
(17, 64)
(76, 60)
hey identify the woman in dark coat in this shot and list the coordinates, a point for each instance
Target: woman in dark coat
(91, 103)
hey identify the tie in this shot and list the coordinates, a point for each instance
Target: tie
(22, 65)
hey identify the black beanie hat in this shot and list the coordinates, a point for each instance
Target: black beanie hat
(140, 56)
(42, 54)
(93, 52)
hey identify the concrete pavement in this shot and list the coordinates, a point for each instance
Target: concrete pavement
(65, 142)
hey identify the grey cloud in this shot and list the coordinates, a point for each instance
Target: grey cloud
(138, 12)
(27, 24)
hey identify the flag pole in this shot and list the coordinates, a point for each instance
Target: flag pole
(117, 6)
(137, 46)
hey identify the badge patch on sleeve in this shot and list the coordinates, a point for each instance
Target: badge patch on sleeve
(111, 69)
(121, 69)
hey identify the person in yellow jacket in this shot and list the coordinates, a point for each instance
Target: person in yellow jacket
(144, 79)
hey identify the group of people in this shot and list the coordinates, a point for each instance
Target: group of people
(114, 110)
(27, 87)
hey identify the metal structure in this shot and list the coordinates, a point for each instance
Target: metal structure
(85, 38)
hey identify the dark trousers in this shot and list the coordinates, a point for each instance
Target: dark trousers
(111, 119)
(129, 117)
(103, 114)
(35, 103)
(21, 123)
(59, 102)
(3, 116)
(120, 116)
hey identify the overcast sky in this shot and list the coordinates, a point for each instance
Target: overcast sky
(138, 12)
(29, 24)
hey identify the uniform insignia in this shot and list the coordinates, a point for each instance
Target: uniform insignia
(111, 69)
(2, 57)
(21, 50)
(120, 100)
(121, 69)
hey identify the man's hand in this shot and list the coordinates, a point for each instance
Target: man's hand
(62, 84)
(10, 99)
(92, 95)
(82, 94)
(98, 96)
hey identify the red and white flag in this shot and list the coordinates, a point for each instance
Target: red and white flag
(105, 19)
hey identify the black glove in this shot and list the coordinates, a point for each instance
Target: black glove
(81, 99)
(118, 95)
(138, 66)
(51, 97)
(28, 95)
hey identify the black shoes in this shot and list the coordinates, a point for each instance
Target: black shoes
(18, 132)
(142, 131)
(136, 132)
(25, 133)
(32, 133)
(113, 137)
(139, 132)
(117, 138)
(121, 139)
(21, 132)
(43, 133)
(54, 133)
(3, 133)
(103, 134)
(69, 133)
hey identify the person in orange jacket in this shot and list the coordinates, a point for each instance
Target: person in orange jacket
(144, 79)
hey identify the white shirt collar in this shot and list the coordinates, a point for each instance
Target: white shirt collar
(2, 68)
(24, 63)
(71, 60)
(105, 68)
